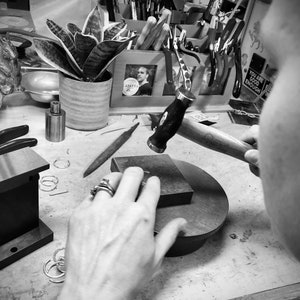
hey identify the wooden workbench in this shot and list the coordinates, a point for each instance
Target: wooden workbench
(243, 258)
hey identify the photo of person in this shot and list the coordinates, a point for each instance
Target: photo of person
(144, 86)
(139, 80)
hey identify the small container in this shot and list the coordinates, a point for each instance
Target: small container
(55, 122)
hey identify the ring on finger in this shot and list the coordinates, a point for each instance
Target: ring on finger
(104, 185)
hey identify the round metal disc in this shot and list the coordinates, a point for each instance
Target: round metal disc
(205, 215)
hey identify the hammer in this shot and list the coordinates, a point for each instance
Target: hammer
(172, 121)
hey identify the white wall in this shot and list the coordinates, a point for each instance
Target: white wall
(61, 12)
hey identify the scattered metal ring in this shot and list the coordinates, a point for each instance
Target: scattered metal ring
(50, 178)
(61, 163)
(55, 258)
(48, 183)
(61, 266)
(47, 267)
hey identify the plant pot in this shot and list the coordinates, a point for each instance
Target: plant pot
(86, 103)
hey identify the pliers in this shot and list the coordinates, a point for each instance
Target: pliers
(229, 45)
(180, 42)
(8, 141)
(237, 86)
(221, 51)
(183, 68)
(234, 45)
(212, 48)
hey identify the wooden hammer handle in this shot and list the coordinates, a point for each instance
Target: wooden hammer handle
(214, 139)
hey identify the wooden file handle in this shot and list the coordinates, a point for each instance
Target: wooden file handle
(214, 139)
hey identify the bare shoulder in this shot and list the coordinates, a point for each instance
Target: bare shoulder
(279, 146)
(279, 140)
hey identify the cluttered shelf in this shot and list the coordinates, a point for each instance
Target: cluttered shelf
(213, 77)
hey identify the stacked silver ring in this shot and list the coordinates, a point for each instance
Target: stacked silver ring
(104, 185)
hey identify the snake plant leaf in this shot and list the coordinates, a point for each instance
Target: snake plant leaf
(84, 45)
(102, 56)
(115, 30)
(66, 41)
(73, 28)
(54, 55)
(92, 24)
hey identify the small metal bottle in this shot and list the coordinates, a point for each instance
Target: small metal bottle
(55, 122)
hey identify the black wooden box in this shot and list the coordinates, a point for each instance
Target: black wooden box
(21, 230)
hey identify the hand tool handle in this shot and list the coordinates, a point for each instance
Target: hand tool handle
(212, 54)
(155, 32)
(17, 144)
(235, 37)
(169, 64)
(238, 31)
(208, 12)
(236, 91)
(165, 30)
(151, 21)
(170, 120)
(212, 58)
(110, 150)
(213, 139)
(12, 133)
(226, 32)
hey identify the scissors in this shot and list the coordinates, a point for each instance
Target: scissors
(9, 141)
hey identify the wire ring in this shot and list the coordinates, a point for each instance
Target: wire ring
(104, 185)
(48, 266)
(48, 183)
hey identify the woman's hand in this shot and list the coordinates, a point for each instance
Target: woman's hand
(252, 156)
(111, 251)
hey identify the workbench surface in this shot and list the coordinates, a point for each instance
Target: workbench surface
(242, 258)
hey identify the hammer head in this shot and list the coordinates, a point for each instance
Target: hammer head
(170, 120)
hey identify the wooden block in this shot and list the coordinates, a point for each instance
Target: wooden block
(175, 190)
(21, 230)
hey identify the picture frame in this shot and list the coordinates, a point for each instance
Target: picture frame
(145, 58)
(138, 80)
(157, 101)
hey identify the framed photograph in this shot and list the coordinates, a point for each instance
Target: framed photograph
(126, 97)
(138, 80)
(134, 66)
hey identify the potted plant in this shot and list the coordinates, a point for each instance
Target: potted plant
(82, 57)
